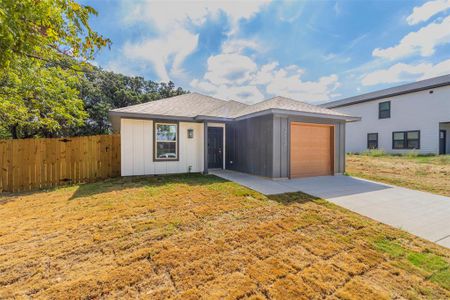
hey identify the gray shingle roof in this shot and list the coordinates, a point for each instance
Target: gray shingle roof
(393, 91)
(282, 103)
(187, 105)
(198, 106)
(228, 110)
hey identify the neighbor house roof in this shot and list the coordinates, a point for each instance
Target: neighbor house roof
(194, 106)
(394, 91)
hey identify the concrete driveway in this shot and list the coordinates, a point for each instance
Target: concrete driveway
(423, 214)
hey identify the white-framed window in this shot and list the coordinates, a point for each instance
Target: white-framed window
(165, 141)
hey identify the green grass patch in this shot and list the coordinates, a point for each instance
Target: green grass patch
(424, 262)
(390, 247)
(442, 278)
(374, 153)
(427, 261)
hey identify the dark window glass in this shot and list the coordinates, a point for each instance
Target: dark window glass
(413, 139)
(406, 140)
(398, 140)
(372, 141)
(384, 110)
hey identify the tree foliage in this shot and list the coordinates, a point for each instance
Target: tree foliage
(103, 90)
(47, 88)
(43, 47)
(48, 30)
(39, 101)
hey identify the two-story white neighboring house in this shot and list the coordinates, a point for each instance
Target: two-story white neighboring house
(400, 119)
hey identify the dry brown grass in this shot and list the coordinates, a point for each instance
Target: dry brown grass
(425, 173)
(194, 236)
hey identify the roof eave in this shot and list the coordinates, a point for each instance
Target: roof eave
(133, 115)
(298, 113)
(212, 118)
(200, 118)
(368, 97)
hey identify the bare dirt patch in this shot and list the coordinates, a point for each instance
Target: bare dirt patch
(425, 173)
(194, 236)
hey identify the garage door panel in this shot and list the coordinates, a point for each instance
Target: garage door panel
(311, 149)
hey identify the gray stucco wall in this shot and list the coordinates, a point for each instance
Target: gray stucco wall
(260, 145)
(249, 145)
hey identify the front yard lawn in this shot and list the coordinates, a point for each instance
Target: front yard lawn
(197, 236)
(425, 173)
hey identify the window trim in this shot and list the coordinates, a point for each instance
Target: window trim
(177, 140)
(376, 133)
(379, 110)
(405, 140)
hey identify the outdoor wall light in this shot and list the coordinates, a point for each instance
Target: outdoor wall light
(190, 133)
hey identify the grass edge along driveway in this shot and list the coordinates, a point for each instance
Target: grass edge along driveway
(193, 236)
(424, 173)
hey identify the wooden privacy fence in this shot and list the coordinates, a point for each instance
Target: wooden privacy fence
(30, 164)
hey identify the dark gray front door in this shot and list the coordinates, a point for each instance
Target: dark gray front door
(442, 141)
(215, 147)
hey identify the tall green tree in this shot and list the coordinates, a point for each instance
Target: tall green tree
(103, 90)
(44, 46)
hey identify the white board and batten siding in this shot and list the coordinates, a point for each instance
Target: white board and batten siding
(414, 111)
(137, 149)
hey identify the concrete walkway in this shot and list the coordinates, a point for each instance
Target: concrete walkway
(423, 214)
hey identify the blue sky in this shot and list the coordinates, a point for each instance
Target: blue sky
(313, 51)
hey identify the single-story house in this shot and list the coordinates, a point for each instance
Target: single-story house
(410, 117)
(276, 138)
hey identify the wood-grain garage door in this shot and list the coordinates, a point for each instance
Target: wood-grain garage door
(312, 149)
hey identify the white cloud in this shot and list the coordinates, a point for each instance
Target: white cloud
(176, 45)
(291, 85)
(265, 74)
(402, 72)
(427, 10)
(238, 45)
(336, 58)
(175, 39)
(165, 14)
(236, 76)
(246, 93)
(422, 42)
(397, 73)
(337, 9)
(442, 68)
(229, 68)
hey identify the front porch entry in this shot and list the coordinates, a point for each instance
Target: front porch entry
(444, 138)
(215, 147)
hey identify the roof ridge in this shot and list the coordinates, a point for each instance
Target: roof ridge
(145, 103)
(207, 96)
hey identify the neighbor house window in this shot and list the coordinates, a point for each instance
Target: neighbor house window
(166, 141)
(372, 141)
(384, 110)
(406, 139)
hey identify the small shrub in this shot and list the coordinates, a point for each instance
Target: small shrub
(443, 159)
(413, 153)
(374, 152)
